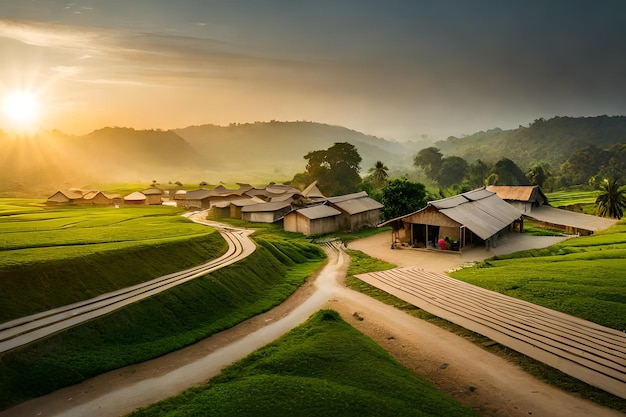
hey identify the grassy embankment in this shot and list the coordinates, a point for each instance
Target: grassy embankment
(53, 256)
(581, 276)
(162, 323)
(323, 367)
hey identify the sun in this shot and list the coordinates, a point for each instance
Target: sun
(22, 110)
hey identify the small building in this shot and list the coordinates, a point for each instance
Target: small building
(265, 212)
(65, 197)
(237, 204)
(523, 198)
(154, 196)
(135, 199)
(358, 210)
(477, 216)
(315, 220)
(96, 198)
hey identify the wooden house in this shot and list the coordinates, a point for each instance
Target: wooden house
(65, 197)
(523, 198)
(358, 210)
(135, 199)
(154, 196)
(265, 212)
(478, 216)
(315, 220)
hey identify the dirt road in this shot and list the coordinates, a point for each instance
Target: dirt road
(482, 380)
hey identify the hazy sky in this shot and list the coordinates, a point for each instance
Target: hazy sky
(396, 69)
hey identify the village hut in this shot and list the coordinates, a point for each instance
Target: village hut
(65, 197)
(523, 197)
(136, 198)
(154, 196)
(265, 212)
(455, 222)
(237, 204)
(97, 198)
(358, 210)
(315, 220)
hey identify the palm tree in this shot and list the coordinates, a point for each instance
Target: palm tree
(611, 202)
(378, 174)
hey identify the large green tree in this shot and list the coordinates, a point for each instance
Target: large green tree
(401, 196)
(508, 173)
(430, 160)
(453, 170)
(477, 172)
(538, 173)
(611, 202)
(336, 169)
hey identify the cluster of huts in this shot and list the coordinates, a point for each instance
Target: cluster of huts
(76, 196)
(307, 211)
(481, 216)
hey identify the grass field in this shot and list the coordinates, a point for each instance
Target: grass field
(322, 368)
(164, 322)
(581, 200)
(583, 277)
(56, 256)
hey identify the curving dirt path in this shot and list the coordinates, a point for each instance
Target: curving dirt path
(482, 380)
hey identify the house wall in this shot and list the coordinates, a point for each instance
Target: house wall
(234, 212)
(366, 219)
(153, 199)
(523, 206)
(431, 215)
(259, 217)
(296, 222)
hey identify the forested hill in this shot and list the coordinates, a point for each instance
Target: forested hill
(551, 140)
(283, 145)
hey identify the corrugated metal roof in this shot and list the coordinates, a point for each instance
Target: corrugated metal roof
(569, 218)
(484, 217)
(358, 205)
(318, 212)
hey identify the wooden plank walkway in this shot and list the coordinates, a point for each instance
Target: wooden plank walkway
(587, 351)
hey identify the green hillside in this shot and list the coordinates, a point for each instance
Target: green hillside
(550, 140)
(324, 367)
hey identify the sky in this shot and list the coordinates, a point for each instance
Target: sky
(395, 69)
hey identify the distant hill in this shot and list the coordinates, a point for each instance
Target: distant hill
(550, 140)
(263, 151)
(282, 145)
(39, 164)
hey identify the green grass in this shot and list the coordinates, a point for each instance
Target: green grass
(583, 201)
(571, 197)
(51, 257)
(160, 324)
(322, 368)
(583, 277)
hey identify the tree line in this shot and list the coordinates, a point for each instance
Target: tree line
(337, 172)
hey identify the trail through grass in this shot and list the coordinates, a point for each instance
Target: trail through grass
(323, 367)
